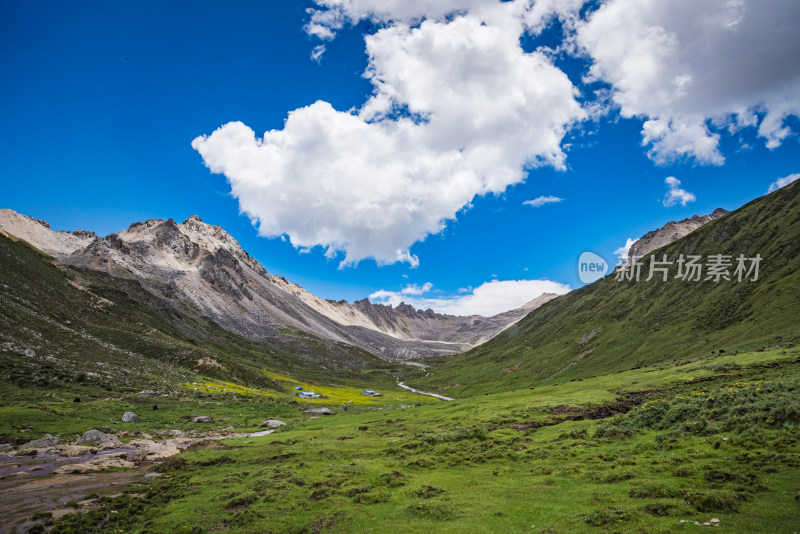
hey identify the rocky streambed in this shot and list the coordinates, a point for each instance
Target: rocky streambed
(46, 476)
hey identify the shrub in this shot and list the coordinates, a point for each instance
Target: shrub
(716, 501)
(427, 491)
(658, 508)
(606, 516)
(653, 491)
(432, 510)
(393, 479)
(378, 496)
(422, 462)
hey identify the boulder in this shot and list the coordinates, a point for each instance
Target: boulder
(130, 417)
(101, 439)
(150, 450)
(46, 442)
(71, 451)
(101, 463)
(320, 411)
(202, 419)
(271, 423)
(171, 433)
(5, 447)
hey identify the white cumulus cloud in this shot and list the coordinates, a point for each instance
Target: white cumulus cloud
(542, 200)
(780, 182)
(458, 110)
(332, 15)
(692, 68)
(490, 298)
(622, 252)
(676, 194)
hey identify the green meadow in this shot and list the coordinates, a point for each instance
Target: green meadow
(654, 449)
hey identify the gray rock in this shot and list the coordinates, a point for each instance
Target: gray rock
(130, 417)
(100, 438)
(71, 451)
(271, 423)
(101, 463)
(203, 419)
(321, 411)
(46, 442)
(146, 394)
(5, 447)
(30, 353)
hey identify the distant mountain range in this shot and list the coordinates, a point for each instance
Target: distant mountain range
(204, 266)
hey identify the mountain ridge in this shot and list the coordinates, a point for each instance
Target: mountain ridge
(617, 324)
(204, 265)
(671, 231)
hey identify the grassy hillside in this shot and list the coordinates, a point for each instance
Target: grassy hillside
(67, 333)
(611, 326)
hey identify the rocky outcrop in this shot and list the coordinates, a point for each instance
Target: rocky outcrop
(672, 231)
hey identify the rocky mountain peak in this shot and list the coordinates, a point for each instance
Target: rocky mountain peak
(40, 235)
(193, 219)
(204, 266)
(84, 234)
(672, 231)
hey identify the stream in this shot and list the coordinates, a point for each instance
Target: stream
(28, 484)
(402, 385)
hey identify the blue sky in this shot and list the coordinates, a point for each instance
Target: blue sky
(102, 101)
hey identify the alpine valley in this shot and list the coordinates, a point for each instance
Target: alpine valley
(151, 381)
